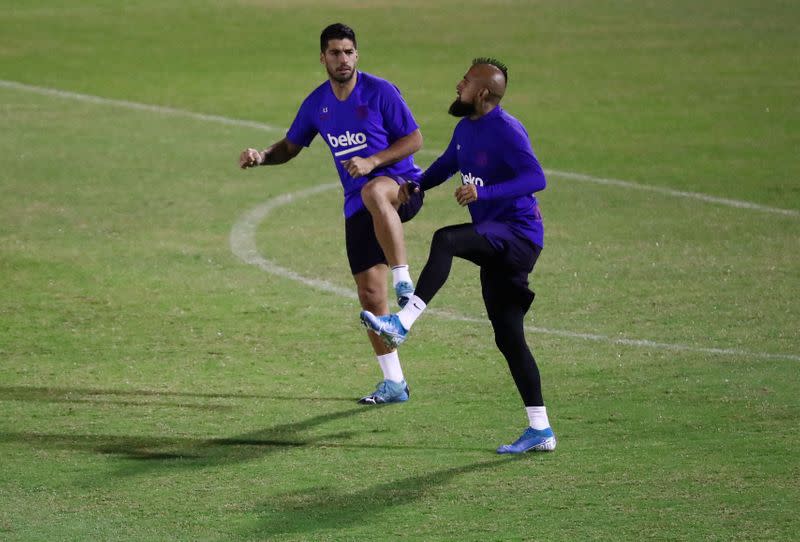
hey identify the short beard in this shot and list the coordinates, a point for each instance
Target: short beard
(342, 78)
(461, 109)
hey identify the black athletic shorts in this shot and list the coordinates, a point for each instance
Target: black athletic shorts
(363, 249)
(506, 280)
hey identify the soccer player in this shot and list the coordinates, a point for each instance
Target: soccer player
(372, 135)
(499, 175)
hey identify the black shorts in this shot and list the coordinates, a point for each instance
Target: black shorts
(363, 249)
(506, 280)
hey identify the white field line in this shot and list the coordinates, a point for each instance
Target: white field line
(243, 241)
(162, 110)
(242, 238)
(739, 204)
(158, 109)
(243, 245)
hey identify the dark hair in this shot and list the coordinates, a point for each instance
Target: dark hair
(336, 31)
(494, 62)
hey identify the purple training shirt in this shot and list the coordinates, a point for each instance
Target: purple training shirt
(494, 153)
(372, 118)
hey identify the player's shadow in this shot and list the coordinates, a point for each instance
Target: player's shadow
(150, 453)
(325, 509)
(158, 453)
(153, 453)
(180, 399)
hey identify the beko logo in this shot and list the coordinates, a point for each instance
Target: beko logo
(470, 179)
(347, 140)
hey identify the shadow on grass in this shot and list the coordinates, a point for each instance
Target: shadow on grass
(197, 451)
(321, 509)
(105, 396)
(157, 452)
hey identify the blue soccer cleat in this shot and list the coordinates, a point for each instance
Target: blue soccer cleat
(537, 440)
(388, 327)
(387, 391)
(404, 290)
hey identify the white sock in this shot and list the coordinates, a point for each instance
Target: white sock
(537, 416)
(390, 365)
(400, 274)
(413, 310)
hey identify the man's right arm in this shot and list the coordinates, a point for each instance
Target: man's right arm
(442, 168)
(278, 153)
(438, 172)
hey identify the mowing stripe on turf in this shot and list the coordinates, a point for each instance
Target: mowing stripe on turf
(242, 237)
(163, 110)
(243, 245)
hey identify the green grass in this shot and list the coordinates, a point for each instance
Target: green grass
(155, 387)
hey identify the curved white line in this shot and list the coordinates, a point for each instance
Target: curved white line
(243, 245)
(162, 110)
(243, 241)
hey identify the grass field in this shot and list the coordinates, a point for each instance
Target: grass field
(156, 386)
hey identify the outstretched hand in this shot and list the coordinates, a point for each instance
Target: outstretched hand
(249, 158)
(466, 194)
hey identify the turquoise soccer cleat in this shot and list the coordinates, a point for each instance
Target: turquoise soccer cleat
(387, 391)
(537, 440)
(388, 327)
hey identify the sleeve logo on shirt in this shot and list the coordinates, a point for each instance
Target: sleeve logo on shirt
(354, 142)
(470, 179)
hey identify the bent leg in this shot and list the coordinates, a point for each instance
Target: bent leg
(380, 198)
(460, 240)
(373, 296)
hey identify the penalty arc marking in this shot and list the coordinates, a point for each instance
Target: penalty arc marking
(243, 245)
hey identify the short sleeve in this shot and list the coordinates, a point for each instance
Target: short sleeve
(303, 129)
(397, 118)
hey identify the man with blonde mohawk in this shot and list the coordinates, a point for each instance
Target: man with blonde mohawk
(499, 176)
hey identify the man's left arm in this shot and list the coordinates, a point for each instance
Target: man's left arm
(405, 146)
(528, 175)
(527, 180)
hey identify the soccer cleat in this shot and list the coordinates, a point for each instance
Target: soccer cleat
(537, 440)
(388, 327)
(404, 290)
(387, 391)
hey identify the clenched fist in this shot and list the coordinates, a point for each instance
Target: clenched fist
(466, 194)
(250, 158)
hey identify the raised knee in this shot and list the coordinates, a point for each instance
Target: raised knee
(376, 193)
(441, 239)
(369, 193)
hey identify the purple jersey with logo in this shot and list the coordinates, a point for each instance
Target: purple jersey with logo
(494, 153)
(372, 118)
